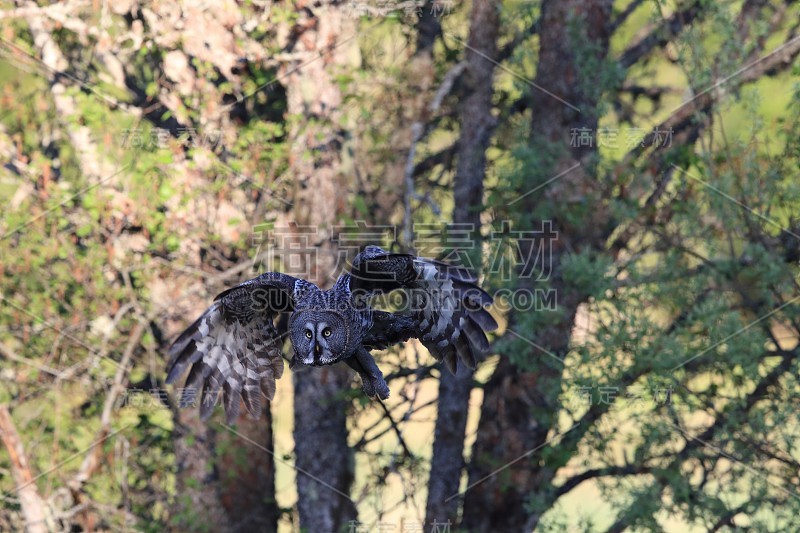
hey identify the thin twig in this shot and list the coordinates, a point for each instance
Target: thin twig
(92, 458)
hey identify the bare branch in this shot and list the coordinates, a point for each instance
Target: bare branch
(8, 353)
(92, 459)
(34, 510)
(626, 470)
(623, 16)
(661, 34)
(417, 133)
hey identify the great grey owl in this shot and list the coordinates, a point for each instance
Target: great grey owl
(236, 345)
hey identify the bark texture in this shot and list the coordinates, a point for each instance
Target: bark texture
(517, 414)
(323, 458)
(198, 504)
(477, 124)
(247, 475)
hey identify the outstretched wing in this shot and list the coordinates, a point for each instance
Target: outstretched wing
(448, 307)
(235, 347)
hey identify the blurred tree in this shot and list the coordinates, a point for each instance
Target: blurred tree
(630, 236)
(476, 125)
(323, 457)
(573, 35)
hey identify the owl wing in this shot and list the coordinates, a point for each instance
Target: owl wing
(447, 306)
(235, 347)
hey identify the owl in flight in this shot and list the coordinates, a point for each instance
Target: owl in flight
(236, 345)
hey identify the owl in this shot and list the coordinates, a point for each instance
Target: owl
(236, 345)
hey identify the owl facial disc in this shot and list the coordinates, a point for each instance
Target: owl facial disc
(319, 337)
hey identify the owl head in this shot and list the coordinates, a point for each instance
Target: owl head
(319, 337)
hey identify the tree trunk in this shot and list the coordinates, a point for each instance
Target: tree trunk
(247, 474)
(225, 479)
(198, 506)
(323, 457)
(519, 405)
(477, 125)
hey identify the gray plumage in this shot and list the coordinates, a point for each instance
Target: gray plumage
(235, 346)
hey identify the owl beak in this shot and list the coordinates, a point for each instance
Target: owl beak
(317, 349)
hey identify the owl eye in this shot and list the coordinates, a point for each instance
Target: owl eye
(308, 333)
(326, 332)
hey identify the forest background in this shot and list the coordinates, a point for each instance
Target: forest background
(623, 175)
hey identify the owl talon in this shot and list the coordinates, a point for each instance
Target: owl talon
(381, 388)
(367, 386)
(372, 382)
(374, 386)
